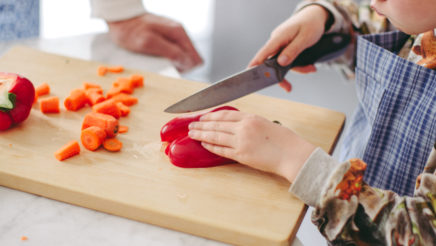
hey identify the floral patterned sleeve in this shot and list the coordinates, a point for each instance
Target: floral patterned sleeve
(350, 212)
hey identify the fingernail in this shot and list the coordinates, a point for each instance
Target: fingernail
(191, 125)
(283, 60)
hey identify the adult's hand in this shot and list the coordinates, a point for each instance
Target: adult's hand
(294, 35)
(156, 35)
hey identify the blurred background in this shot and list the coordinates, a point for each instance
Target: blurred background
(227, 34)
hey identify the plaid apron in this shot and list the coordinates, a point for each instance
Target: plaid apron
(19, 19)
(394, 126)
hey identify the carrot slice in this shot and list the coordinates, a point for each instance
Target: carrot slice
(106, 122)
(125, 110)
(126, 99)
(112, 144)
(42, 89)
(115, 69)
(95, 95)
(92, 137)
(107, 107)
(89, 85)
(76, 100)
(124, 84)
(72, 148)
(123, 129)
(102, 70)
(49, 105)
(113, 91)
(137, 80)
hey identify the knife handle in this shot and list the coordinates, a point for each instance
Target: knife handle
(328, 47)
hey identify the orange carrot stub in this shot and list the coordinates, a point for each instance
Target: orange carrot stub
(123, 129)
(102, 70)
(124, 110)
(95, 95)
(106, 122)
(92, 137)
(107, 107)
(112, 144)
(42, 89)
(116, 69)
(89, 85)
(137, 80)
(76, 100)
(126, 99)
(69, 150)
(49, 105)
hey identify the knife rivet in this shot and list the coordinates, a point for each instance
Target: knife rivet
(267, 74)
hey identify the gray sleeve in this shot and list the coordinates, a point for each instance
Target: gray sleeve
(115, 10)
(313, 176)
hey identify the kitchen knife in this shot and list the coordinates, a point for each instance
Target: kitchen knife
(258, 77)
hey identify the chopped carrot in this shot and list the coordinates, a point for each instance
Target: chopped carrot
(95, 95)
(72, 148)
(42, 89)
(89, 85)
(113, 91)
(106, 122)
(35, 99)
(102, 70)
(124, 84)
(137, 80)
(116, 69)
(76, 100)
(112, 144)
(123, 129)
(92, 137)
(49, 105)
(24, 238)
(107, 107)
(126, 99)
(125, 110)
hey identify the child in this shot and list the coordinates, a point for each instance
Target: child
(392, 132)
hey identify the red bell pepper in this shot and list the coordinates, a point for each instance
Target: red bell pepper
(184, 151)
(16, 98)
(188, 153)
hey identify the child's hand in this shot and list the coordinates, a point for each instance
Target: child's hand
(297, 33)
(253, 141)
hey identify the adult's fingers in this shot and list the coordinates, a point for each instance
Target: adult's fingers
(223, 151)
(218, 126)
(213, 137)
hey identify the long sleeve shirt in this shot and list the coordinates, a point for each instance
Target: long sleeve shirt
(347, 209)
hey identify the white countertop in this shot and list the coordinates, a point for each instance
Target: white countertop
(48, 222)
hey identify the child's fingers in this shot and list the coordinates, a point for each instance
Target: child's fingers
(213, 137)
(219, 150)
(218, 126)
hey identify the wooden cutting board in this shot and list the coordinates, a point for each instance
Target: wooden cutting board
(231, 203)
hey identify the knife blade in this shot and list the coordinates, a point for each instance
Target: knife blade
(261, 76)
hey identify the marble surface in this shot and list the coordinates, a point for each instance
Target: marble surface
(48, 222)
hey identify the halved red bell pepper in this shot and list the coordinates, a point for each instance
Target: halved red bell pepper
(188, 153)
(16, 98)
(184, 151)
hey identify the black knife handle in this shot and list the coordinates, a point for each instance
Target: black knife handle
(328, 47)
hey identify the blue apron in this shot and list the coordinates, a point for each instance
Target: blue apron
(19, 19)
(394, 126)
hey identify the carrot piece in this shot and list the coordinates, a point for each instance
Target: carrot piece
(49, 105)
(106, 122)
(113, 91)
(76, 100)
(24, 238)
(124, 84)
(72, 148)
(89, 85)
(115, 69)
(107, 107)
(126, 99)
(124, 110)
(35, 99)
(112, 144)
(123, 129)
(92, 137)
(137, 80)
(102, 70)
(42, 89)
(95, 95)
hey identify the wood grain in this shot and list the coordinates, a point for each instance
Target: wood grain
(231, 203)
